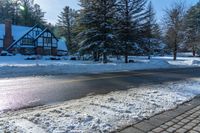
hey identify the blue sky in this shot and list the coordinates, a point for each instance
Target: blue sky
(54, 7)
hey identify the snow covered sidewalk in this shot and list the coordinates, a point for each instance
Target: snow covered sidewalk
(16, 65)
(101, 113)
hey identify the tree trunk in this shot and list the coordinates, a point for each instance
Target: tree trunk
(95, 56)
(98, 56)
(105, 58)
(126, 58)
(175, 48)
(149, 57)
(175, 52)
(193, 51)
(175, 55)
(126, 54)
(149, 51)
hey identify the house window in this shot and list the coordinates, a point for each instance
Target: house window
(27, 41)
(37, 33)
(47, 41)
(54, 43)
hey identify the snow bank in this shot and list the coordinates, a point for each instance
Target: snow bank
(18, 66)
(191, 62)
(195, 62)
(102, 113)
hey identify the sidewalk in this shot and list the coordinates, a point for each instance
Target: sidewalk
(184, 119)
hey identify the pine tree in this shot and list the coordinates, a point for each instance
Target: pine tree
(150, 28)
(26, 10)
(66, 23)
(8, 10)
(21, 12)
(192, 26)
(87, 27)
(38, 15)
(130, 15)
(97, 22)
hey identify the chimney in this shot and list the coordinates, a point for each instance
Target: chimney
(8, 38)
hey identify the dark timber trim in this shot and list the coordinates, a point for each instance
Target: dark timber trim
(45, 30)
(14, 43)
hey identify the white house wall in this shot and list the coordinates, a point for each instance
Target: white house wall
(40, 41)
(54, 43)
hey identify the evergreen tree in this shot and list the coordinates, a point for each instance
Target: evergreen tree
(130, 14)
(151, 29)
(192, 26)
(87, 25)
(65, 25)
(21, 12)
(97, 22)
(26, 12)
(38, 16)
(8, 10)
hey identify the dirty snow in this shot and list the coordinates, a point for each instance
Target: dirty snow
(101, 113)
(12, 66)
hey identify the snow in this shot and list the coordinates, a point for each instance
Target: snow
(62, 45)
(11, 66)
(17, 31)
(101, 113)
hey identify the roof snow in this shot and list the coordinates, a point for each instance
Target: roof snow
(62, 45)
(17, 31)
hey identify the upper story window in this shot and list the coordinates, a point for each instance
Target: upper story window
(47, 41)
(27, 41)
(37, 32)
(54, 42)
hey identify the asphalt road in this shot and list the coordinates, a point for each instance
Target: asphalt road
(24, 92)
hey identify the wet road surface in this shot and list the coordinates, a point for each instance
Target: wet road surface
(23, 92)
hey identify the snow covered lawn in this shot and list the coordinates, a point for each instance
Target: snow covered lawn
(17, 66)
(101, 113)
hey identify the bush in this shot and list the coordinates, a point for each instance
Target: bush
(54, 58)
(73, 58)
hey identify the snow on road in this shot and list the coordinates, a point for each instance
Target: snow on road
(101, 113)
(16, 65)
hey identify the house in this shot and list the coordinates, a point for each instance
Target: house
(30, 40)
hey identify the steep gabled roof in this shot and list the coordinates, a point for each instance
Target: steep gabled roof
(45, 30)
(17, 31)
(23, 34)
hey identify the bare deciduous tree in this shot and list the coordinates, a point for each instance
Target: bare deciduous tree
(174, 21)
